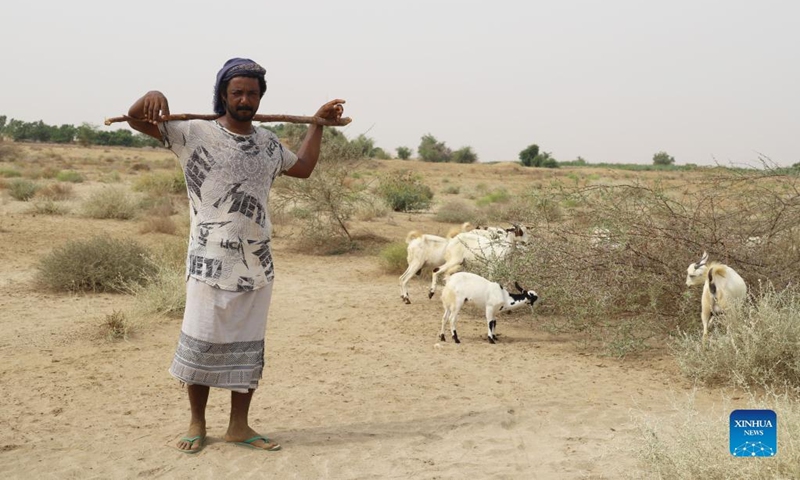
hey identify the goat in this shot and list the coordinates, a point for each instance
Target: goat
(467, 246)
(464, 286)
(722, 288)
(425, 250)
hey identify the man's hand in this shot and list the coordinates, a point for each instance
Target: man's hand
(332, 110)
(154, 105)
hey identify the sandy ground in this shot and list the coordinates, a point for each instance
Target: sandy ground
(357, 385)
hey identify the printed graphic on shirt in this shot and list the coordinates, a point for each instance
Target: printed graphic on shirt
(197, 168)
(247, 145)
(245, 284)
(205, 267)
(205, 229)
(243, 203)
(264, 255)
(236, 245)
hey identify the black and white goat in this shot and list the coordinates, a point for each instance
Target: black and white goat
(464, 287)
(722, 288)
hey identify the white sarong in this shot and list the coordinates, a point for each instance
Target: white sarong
(222, 337)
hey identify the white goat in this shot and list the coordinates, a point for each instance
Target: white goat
(425, 250)
(468, 246)
(722, 288)
(464, 286)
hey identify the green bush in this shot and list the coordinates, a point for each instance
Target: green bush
(161, 183)
(70, 176)
(393, 258)
(464, 155)
(403, 153)
(404, 191)
(22, 190)
(96, 265)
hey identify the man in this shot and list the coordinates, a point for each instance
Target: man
(229, 167)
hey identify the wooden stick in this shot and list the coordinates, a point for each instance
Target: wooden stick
(257, 118)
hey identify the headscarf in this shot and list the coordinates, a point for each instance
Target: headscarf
(235, 67)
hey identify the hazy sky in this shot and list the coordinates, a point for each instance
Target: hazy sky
(610, 81)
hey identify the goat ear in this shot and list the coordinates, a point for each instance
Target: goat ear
(522, 290)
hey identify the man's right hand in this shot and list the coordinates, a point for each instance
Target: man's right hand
(154, 105)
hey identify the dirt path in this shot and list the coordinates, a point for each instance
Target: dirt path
(356, 386)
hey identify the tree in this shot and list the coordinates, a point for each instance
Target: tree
(365, 145)
(663, 158)
(404, 153)
(545, 160)
(86, 134)
(432, 150)
(526, 156)
(464, 155)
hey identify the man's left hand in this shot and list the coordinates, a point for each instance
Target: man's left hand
(332, 110)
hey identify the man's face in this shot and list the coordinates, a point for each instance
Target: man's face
(242, 98)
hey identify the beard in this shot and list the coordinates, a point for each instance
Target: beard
(241, 114)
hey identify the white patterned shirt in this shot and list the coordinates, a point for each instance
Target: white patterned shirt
(228, 179)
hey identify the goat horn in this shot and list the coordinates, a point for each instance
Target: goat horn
(516, 284)
(256, 118)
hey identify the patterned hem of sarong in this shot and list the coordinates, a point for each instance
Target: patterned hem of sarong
(234, 366)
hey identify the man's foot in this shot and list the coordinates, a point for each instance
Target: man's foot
(251, 439)
(194, 441)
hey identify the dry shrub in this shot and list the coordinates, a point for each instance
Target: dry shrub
(456, 211)
(56, 192)
(330, 198)
(371, 207)
(753, 346)
(48, 207)
(164, 292)
(140, 167)
(694, 444)
(153, 224)
(9, 152)
(96, 265)
(116, 326)
(22, 190)
(110, 203)
(160, 184)
(633, 278)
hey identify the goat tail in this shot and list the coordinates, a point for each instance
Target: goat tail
(719, 271)
(412, 235)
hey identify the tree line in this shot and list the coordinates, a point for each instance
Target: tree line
(430, 148)
(84, 134)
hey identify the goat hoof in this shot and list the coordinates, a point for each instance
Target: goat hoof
(406, 300)
(491, 340)
(441, 337)
(430, 295)
(455, 338)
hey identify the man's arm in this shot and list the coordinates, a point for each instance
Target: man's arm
(147, 110)
(308, 154)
